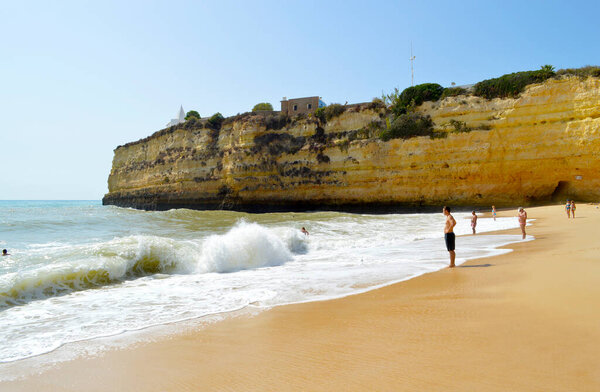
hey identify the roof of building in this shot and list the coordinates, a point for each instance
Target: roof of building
(293, 99)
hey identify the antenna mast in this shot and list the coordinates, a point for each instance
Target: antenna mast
(412, 71)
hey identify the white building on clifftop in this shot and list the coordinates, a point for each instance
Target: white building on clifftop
(180, 118)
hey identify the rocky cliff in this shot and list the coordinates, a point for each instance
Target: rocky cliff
(541, 146)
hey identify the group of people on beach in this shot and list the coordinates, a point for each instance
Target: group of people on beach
(450, 237)
(570, 208)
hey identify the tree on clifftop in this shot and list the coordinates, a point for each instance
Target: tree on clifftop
(215, 121)
(192, 114)
(547, 68)
(262, 106)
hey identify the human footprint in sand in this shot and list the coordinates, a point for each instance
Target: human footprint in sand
(522, 215)
(449, 234)
(473, 221)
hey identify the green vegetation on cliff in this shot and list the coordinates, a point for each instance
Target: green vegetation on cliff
(277, 143)
(511, 85)
(376, 104)
(415, 96)
(276, 121)
(215, 121)
(408, 125)
(397, 110)
(262, 106)
(506, 86)
(583, 72)
(453, 92)
(330, 111)
(192, 114)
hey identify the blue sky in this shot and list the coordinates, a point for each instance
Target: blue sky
(78, 78)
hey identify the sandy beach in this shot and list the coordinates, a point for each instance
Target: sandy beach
(524, 321)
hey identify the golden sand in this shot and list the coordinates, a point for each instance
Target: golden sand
(525, 321)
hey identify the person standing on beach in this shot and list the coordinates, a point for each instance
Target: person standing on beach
(473, 221)
(494, 212)
(573, 208)
(522, 220)
(568, 208)
(449, 234)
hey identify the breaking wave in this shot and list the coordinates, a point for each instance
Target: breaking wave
(246, 246)
(82, 267)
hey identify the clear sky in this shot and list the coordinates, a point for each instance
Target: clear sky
(78, 78)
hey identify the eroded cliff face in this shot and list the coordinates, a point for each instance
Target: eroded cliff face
(541, 146)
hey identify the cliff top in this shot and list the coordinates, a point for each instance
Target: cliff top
(396, 104)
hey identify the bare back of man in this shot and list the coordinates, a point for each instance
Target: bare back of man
(449, 235)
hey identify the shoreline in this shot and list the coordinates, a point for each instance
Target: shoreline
(268, 336)
(131, 337)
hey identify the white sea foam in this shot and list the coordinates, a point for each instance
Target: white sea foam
(245, 246)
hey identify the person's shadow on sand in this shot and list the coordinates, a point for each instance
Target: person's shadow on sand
(476, 265)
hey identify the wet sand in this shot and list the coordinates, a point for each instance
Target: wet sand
(525, 321)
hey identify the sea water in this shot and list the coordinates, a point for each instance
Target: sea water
(79, 270)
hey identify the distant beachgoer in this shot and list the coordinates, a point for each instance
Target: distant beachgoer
(568, 208)
(494, 212)
(522, 220)
(473, 221)
(573, 207)
(449, 234)
(304, 231)
(5, 252)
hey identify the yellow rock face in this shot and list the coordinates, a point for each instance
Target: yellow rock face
(541, 146)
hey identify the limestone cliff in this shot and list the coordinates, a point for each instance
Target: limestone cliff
(543, 145)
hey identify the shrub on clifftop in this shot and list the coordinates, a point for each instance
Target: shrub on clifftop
(262, 106)
(583, 72)
(215, 121)
(511, 85)
(416, 95)
(453, 92)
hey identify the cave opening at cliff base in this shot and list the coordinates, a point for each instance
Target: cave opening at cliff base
(561, 190)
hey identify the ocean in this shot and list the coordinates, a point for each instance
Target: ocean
(80, 271)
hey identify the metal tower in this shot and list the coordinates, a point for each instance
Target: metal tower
(412, 71)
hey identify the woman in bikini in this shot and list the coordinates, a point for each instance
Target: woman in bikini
(494, 212)
(568, 208)
(573, 209)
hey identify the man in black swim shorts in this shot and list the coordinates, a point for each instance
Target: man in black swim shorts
(449, 234)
